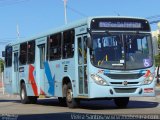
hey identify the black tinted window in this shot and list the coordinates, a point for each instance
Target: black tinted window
(54, 44)
(23, 54)
(31, 52)
(8, 57)
(68, 44)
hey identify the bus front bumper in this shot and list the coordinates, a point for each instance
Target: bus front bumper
(97, 91)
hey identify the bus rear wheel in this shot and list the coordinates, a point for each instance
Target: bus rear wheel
(121, 102)
(71, 102)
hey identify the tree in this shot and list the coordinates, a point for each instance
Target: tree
(159, 41)
(157, 60)
(1, 65)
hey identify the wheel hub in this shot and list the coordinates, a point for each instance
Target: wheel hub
(23, 94)
(69, 95)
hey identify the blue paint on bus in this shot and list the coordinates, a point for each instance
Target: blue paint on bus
(49, 78)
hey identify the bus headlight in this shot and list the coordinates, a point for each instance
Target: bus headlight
(148, 80)
(99, 80)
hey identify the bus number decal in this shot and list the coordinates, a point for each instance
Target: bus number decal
(66, 62)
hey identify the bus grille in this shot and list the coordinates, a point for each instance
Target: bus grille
(125, 90)
(120, 83)
(124, 76)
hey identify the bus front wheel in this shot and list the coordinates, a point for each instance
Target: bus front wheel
(23, 94)
(121, 102)
(71, 102)
(26, 99)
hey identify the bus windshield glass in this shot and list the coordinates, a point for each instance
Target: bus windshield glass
(122, 50)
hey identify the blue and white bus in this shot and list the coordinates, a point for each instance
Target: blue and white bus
(95, 58)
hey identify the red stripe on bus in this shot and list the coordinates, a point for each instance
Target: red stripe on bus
(32, 80)
(42, 92)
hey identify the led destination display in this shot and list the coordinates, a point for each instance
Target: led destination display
(120, 24)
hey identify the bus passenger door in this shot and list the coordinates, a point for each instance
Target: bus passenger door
(82, 65)
(15, 81)
(41, 73)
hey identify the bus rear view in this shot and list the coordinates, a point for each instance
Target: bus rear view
(121, 60)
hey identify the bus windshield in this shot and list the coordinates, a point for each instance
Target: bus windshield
(122, 50)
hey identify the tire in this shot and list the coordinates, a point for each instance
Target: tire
(62, 101)
(23, 94)
(71, 102)
(121, 102)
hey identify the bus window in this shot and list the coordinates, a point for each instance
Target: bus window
(79, 51)
(85, 49)
(8, 57)
(68, 45)
(55, 46)
(23, 54)
(42, 56)
(31, 52)
(48, 50)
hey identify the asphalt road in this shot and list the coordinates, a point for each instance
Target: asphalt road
(12, 109)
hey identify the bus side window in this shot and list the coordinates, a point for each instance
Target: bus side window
(68, 43)
(8, 57)
(48, 48)
(31, 52)
(23, 54)
(54, 44)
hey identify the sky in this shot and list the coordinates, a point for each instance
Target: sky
(37, 16)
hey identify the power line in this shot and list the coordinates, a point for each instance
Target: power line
(76, 11)
(153, 17)
(4, 3)
(154, 22)
(7, 40)
(11, 1)
(4, 43)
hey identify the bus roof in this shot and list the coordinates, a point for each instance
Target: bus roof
(78, 23)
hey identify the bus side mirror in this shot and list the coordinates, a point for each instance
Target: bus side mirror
(3, 53)
(89, 42)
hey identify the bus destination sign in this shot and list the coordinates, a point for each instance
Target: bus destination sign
(120, 24)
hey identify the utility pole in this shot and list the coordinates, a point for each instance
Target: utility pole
(65, 11)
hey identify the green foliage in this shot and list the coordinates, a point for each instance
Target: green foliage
(159, 41)
(1, 65)
(157, 57)
(157, 60)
